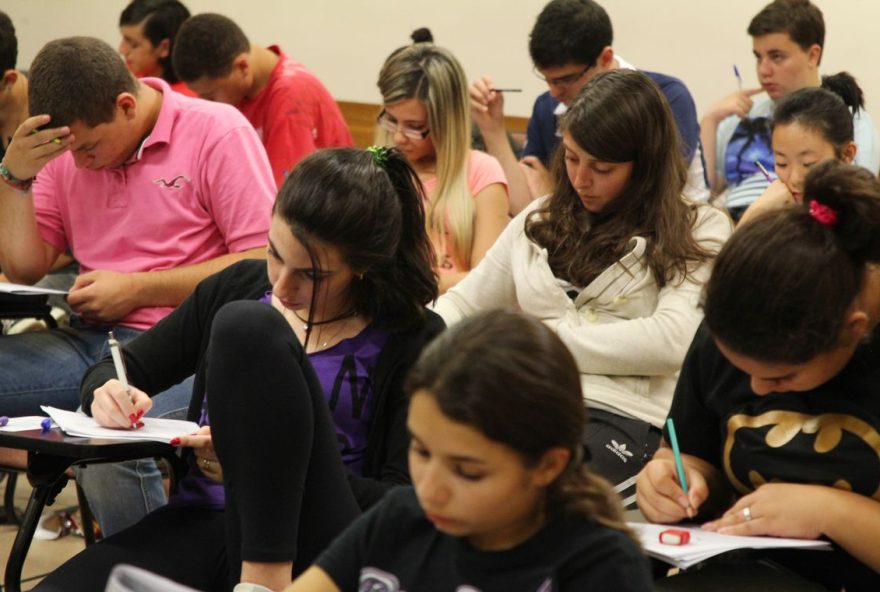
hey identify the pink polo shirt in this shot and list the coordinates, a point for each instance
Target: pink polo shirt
(294, 115)
(199, 187)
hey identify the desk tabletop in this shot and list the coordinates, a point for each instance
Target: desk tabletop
(56, 443)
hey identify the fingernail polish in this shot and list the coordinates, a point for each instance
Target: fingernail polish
(132, 418)
(140, 413)
(174, 441)
(140, 424)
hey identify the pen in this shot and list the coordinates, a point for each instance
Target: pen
(506, 89)
(679, 466)
(739, 80)
(119, 363)
(764, 171)
(3, 420)
(46, 425)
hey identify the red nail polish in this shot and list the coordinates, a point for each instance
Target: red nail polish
(140, 424)
(174, 441)
(132, 418)
(140, 414)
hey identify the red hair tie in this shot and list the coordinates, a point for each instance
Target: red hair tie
(823, 214)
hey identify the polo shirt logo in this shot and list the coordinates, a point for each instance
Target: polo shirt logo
(175, 183)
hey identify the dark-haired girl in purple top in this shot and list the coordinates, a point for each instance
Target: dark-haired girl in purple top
(301, 386)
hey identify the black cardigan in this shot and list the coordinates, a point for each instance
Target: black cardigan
(167, 353)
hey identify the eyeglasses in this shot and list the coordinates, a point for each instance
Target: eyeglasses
(393, 127)
(562, 81)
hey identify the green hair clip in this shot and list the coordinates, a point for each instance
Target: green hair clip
(380, 154)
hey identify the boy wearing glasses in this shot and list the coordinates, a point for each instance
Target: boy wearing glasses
(569, 44)
(290, 108)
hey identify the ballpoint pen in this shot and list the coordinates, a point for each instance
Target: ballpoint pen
(119, 364)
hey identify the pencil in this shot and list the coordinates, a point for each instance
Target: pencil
(679, 466)
(506, 89)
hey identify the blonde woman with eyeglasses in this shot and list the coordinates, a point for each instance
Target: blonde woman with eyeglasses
(426, 116)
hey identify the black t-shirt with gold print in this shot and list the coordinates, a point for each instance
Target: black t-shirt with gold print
(827, 436)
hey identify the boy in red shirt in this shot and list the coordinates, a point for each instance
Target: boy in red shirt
(290, 108)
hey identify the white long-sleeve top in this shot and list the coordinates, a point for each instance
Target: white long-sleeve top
(628, 335)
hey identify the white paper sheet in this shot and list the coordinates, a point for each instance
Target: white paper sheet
(79, 424)
(23, 424)
(704, 544)
(27, 290)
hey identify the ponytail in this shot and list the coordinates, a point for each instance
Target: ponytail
(412, 266)
(828, 110)
(580, 491)
(846, 87)
(782, 285)
(367, 204)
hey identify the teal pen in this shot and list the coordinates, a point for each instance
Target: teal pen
(679, 466)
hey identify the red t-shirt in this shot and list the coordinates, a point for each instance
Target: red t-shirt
(294, 116)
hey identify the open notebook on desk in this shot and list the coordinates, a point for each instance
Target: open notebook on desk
(704, 544)
(79, 424)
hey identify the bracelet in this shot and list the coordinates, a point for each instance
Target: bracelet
(22, 185)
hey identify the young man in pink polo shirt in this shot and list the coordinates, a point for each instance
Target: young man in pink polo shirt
(289, 107)
(152, 192)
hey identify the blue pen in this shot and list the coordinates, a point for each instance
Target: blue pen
(739, 79)
(3, 420)
(679, 466)
(46, 424)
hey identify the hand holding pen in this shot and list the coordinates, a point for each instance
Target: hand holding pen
(672, 487)
(117, 404)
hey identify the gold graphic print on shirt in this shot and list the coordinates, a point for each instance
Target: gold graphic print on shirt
(831, 449)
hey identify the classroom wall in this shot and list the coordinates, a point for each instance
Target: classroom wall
(345, 41)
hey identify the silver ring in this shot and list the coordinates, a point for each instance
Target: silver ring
(747, 513)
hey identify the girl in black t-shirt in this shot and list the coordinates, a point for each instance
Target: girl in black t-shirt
(502, 499)
(777, 407)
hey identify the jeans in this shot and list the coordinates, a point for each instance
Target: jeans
(46, 367)
(120, 494)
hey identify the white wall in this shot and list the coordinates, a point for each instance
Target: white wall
(345, 41)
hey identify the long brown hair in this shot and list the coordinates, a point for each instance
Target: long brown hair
(524, 392)
(621, 116)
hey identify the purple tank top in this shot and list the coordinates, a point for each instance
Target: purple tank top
(346, 373)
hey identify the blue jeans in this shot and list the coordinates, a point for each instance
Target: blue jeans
(46, 367)
(120, 494)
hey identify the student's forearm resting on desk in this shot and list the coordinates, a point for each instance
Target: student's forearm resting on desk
(106, 296)
(172, 286)
(803, 511)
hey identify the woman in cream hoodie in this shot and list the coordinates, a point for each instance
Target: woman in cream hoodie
(613, 260)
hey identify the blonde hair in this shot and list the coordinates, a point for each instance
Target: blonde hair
(432, 75)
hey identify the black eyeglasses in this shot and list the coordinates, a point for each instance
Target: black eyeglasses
(562, 81)
(393, 127)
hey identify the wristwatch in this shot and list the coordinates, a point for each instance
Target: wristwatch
(23, 185)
